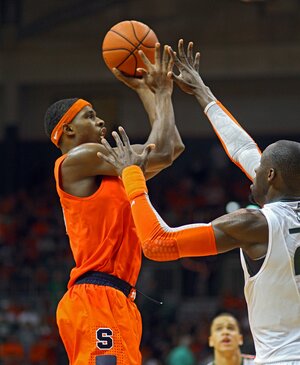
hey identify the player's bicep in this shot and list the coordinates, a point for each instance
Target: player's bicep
(244, 228)
(83, 162)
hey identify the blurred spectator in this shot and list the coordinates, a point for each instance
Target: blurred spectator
(182, 353)
(11, 351)
(226, 339)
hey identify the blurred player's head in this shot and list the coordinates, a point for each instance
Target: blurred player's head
(225, 335)
(278, 175)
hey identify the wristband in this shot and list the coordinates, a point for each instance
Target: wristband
(134, 181)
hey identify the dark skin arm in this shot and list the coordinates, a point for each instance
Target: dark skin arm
(190, 81)
(244, 228)
(82, 165)
(148, 99)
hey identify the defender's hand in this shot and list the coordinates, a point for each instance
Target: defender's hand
(123, 155)
(188, 79)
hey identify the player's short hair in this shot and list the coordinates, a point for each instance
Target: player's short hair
(285, 156)
(55, 112)
(226, 314)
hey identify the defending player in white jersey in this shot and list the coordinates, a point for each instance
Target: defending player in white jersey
(268, 237)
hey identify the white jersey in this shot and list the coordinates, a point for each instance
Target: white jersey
(273, 294)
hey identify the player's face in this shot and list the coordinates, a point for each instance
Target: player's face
(89, 128)
(225, 335)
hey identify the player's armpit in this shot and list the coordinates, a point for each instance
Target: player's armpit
(159, 241)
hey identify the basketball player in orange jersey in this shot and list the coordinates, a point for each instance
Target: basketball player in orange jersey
(226, 339)
(98, 320)
(268, 237)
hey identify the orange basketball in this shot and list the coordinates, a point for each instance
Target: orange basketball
(122, 42)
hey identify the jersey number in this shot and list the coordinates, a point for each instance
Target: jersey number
(296, 230)
(104, 338)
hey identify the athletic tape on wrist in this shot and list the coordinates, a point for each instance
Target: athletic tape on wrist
(209, 105)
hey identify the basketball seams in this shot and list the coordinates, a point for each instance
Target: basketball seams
(131, 54)
(145, 36)
(116, 49)
(137, 31)
(144, 45)
(140, 42)
(122, 36)
(136, 47)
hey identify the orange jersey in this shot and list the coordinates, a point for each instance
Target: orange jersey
(101, 230)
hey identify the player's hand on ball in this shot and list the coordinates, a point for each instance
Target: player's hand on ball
(188, 79)
(156, 75)
(135, 83)
(123, 154)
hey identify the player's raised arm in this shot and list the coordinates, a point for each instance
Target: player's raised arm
(239, 146)
(155, 91)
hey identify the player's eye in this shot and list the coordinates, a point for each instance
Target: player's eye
(92, 116)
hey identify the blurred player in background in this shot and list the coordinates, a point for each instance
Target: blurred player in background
(268, 237)
(226, 339)
(98, 320)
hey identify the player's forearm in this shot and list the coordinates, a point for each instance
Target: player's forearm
(164, 133)
(237, 143)
(148, 100)
(153, 109)
(159, 241)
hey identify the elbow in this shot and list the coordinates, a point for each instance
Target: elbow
(178, 149)
(151, 254)
(159, 250)
(168, 157)
(165, 159)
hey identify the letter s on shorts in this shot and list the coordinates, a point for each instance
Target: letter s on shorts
(104, 338)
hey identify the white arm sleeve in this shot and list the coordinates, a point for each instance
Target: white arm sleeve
(239, 146)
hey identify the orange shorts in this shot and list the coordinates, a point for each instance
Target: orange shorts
(95, 321)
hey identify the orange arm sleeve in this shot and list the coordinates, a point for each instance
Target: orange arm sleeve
(159, 241)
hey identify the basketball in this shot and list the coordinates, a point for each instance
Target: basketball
(123, 41)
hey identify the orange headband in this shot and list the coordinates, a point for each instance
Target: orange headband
(67, 118)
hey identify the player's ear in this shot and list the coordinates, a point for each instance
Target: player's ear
(210, 341)
(271, 174)
(68, 129)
